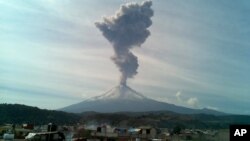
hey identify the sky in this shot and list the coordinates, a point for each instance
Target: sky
(198, 54)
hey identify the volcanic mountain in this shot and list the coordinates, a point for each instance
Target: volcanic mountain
(124, 99)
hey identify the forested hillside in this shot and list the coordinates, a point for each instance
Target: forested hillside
(16, 113)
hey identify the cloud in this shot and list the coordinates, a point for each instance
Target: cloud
(212, 108)
(178, 96)
(192, 102)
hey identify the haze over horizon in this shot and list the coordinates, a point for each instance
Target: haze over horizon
(52, 55)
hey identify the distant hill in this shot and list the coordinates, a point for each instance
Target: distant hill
(122, 98)
(164, 119)
(16, 113)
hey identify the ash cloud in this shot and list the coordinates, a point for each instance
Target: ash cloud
(126, 29)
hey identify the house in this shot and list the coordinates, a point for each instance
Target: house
(45, 136)
(104, 132)
(148, 132)
(121, 131)
(28, 126)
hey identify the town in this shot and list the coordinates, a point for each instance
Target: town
(105, 132)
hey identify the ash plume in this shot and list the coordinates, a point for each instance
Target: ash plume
(125, 30)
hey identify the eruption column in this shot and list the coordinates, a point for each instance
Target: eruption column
(125, 30)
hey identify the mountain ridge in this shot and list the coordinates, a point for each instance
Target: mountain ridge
(19, 114)
(118, 92)
(122, 98)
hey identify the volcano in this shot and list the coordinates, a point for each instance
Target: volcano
(124, 99)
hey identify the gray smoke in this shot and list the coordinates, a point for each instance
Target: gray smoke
(125, 30)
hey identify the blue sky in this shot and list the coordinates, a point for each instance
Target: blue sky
(198, 54)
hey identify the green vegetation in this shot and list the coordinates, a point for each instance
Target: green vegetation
(18, 114)
(165, 119)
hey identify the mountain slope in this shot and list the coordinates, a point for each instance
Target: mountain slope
(123, 98)
(18, 114)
